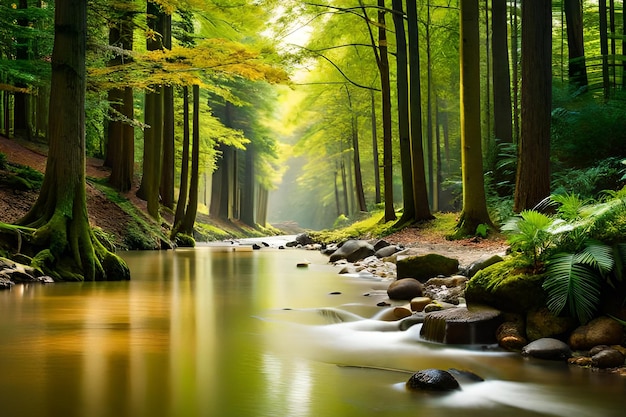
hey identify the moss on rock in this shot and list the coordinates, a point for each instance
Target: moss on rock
(507, 286)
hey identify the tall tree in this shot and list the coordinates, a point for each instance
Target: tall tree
(183, 189)
(21, 107)
(575, 43)
(502, 112)
(533, 167)
(58, 220)
(153, 116)
(474, 210)
(120, 155)
(166, 188)
(189, 219)
(402, 88)
(420, 189)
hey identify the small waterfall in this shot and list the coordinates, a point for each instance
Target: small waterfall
(433, 329)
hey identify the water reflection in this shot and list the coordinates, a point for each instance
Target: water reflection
(220, 334)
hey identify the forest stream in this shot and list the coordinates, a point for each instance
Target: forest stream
(231, 332)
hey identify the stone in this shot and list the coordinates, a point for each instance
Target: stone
(423, 267)
(607, 358)
(405, 289)
(462, 374)
(418, 303)
(540, 323)
(433, 380)
(387, 251)
(506, 286)
(547, 348)
(462, 325)
(401, 312)
(600, 331)
(453, 281)
(381, 244)
(5, 282)
(352, 250)
(483, 263)
(510, 335)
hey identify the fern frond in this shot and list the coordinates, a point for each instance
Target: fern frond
(598, 256)
(571, 284)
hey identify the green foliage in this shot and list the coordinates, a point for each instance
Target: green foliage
(529, 233)
(32, 176)
(482, 230)
(341, 221)
(583, 246)
(3, 161)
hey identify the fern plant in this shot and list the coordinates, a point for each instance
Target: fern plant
(529, 233)
(574, 279)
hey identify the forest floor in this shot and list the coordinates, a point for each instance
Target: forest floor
(112, 219)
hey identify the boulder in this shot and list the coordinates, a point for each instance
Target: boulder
(547, 348)
(607, 358)
(506, 286)
(405, 289)
(540, 323)
(381, 244)
(352, 250)
(433, 380)
(462, 325)
(600, 331)
(423, 267)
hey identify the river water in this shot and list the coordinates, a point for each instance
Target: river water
(235, 333)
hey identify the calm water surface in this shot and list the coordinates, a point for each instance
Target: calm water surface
(207, 332)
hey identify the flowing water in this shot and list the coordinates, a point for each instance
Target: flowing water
(225, 333)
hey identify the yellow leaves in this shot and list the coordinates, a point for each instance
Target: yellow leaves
(187, 66)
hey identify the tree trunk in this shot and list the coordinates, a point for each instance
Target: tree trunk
(167, 171)
(21, 108)
(577, 68)
(247, 192)
(71, 250)
(502, 112)
(420, 189)
(192, 206)
(120, 155)
(153, 115)
(474, 203)
(402, 87)
(533, 167)
(385, 86)
(183, 190)
(515, 59)
(604, 50)
(377, 195)
(356, 156)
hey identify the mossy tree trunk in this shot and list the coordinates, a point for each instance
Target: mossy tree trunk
(63, 243)
(474, 210)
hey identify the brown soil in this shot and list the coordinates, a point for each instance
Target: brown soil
(102, 212)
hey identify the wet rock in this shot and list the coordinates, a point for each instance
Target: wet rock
(5, 282)
(507, 287)
(437, 305)
(483, 263)
(449, 282)
(547, 348)
(418, 303)
(381, 244)
(462, 325)
(607, 358)
(426, 266)
(405, 289)
(401, 312)
(580, 361)
(433, 380)
(387, 251)
(352, 250)
(510, 335)
(540, 323)
(600, 331)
